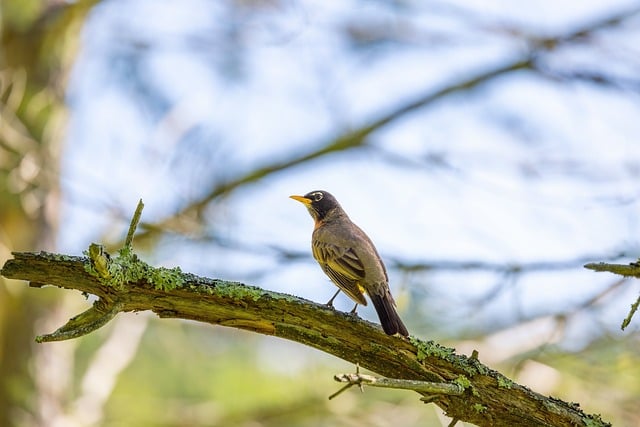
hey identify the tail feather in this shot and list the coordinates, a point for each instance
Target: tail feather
(389, 319)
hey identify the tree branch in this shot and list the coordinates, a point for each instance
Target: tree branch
(489, 398)
(432, 388)
(624, 270)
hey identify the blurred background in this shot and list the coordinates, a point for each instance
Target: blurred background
(489, 148)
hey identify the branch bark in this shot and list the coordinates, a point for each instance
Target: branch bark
(489, 398)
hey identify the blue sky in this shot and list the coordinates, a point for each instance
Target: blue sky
(523, 169)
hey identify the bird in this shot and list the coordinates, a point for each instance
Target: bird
(347, 255)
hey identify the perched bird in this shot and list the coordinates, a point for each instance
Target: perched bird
(348, 257)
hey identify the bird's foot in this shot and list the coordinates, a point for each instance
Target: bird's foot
(330, 302)
(353, 312)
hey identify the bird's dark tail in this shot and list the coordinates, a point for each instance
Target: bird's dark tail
(389, 319)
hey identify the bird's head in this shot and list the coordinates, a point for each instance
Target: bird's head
(319, 203)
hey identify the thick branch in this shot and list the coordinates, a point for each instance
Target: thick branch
(489, 398)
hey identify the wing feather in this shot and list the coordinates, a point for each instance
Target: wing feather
(343, 267)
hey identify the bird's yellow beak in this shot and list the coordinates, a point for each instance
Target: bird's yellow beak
(302, 199)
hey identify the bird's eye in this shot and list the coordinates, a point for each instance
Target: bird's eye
(317, 196)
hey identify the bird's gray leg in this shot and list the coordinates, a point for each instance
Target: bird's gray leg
(353, 312)
(330, 303)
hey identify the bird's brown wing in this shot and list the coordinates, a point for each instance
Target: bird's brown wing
(343, 267)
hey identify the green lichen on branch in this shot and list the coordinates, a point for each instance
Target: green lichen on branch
(126, 267)
(466, 384)
(463, 382)
(237, 290)
(504, 382)
(430, 348)
(470, 366)
(479, 408)
(594, 420)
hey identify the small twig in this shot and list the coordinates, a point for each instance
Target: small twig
(419, 386)
(84, 323)
(134, 224)
(627, 270)
(100, 260)
(627, 320)
(341, 390)
(348, 385)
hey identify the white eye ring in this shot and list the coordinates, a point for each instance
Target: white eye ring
(317, 196)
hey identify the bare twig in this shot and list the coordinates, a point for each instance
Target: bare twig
(83, 324)
(632, 311)
(419, 386)
(626, 270)
(134, 224)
